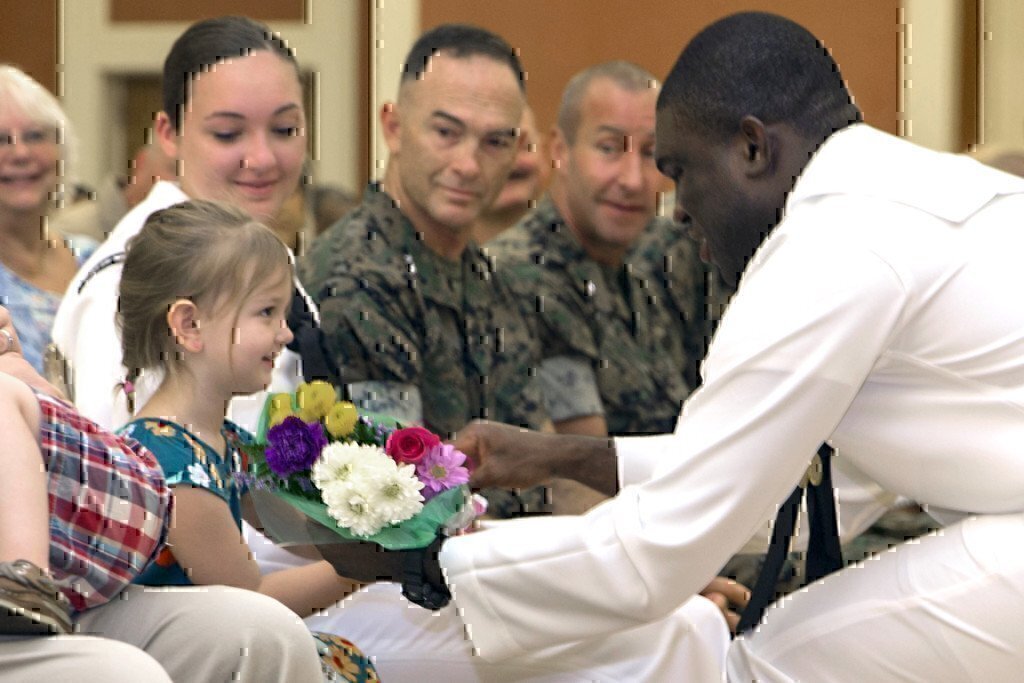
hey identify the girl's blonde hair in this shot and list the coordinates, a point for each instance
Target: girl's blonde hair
(207, 252)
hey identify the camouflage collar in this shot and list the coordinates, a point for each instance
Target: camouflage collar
(557, 244)
(548, 227)
(452, 284)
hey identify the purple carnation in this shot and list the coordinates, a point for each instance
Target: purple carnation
(294, 445)
(441, 469)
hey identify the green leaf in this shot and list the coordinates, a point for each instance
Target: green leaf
(261, 425)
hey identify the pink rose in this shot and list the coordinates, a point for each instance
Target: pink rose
(410, 444)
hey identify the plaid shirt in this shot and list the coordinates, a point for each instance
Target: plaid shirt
(109, 505)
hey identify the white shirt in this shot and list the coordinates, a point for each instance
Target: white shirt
(881, 314)
(85, 332)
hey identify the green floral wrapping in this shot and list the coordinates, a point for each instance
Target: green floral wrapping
(315, 524)
(413, 533)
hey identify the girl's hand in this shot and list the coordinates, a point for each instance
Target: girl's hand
(207, 545)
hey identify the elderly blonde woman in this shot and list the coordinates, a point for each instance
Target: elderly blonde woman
(36, 263)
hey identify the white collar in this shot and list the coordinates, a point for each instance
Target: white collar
(861, 160)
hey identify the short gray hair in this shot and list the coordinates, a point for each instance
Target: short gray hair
(627, 75)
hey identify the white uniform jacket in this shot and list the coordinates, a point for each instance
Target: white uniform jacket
(882, 314)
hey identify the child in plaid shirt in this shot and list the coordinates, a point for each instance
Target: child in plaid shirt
(86, 512)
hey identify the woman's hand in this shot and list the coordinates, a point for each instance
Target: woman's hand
(14, 364)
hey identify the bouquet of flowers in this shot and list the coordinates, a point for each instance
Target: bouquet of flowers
(367, 478)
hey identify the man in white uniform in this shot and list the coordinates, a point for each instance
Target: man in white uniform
(878, 309)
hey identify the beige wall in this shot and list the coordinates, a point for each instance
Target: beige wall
(1002, 69)
(394, 27)
(935, 81)
(932, 73)
(937, 40)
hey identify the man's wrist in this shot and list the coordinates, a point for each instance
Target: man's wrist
(589, 460)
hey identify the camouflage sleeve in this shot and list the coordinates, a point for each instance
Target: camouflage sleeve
(400, 401)
(314, 267)
(698, 328)
(570, 388)
(688, 280)
(512, 503)
(370, 329)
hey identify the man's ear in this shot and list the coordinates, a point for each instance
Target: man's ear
(390, 125)
(183, 320)
(558, 147)
(754, 145)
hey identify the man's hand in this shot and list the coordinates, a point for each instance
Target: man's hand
(363, 561)
(504, 456)
(730, 597)
(507, 456)
(15, 365)
(417, 570)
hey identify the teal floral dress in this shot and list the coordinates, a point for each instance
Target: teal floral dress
(187, 459)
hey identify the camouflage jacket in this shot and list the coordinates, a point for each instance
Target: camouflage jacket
(695, 293)
(393, 311)
(616, 318)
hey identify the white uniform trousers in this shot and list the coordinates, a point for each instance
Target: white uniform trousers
(409, 644)
(945, 607)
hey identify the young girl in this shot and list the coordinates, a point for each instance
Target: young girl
(204, 295)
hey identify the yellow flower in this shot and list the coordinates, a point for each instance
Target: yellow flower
(280, 408)
(341, 419)
(315, 399)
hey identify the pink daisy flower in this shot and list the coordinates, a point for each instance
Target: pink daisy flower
(441, 469)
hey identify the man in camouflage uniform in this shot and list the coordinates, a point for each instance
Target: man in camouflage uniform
(411, 311)
(623, 357)
(694, 291)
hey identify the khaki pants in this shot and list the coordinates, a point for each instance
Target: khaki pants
(196, 634)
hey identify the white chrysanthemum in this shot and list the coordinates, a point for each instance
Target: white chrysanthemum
(364, 489)
(351, 509)
(396, 496)
(342, 462)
